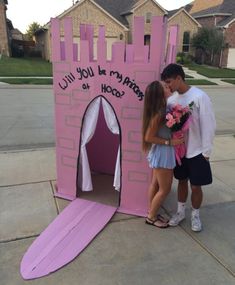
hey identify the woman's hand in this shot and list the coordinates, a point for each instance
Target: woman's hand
(177, 141)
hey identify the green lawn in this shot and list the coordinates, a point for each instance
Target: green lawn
(30, 67)
(34, 81)
(199, 82)
(44, 81)
(212, 72)
(24, 67)
(232, 81)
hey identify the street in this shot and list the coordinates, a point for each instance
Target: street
(27, 115)
(223, 99)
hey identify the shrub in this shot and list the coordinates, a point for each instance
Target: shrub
(184, 58)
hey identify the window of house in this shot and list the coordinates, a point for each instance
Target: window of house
(186, 42)
(148, 17)
(147, 40)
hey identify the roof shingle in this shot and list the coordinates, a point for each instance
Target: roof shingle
(116, 8)
(227, 8)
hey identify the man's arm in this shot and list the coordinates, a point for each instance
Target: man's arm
(207, 125)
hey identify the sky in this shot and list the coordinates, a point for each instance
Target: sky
(41, 11)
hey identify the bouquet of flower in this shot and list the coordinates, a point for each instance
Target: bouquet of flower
(177, 120)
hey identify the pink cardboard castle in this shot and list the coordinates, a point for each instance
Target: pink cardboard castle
(82, 87)
(89, 90)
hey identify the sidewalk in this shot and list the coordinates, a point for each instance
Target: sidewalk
(196, 75)
(127, 251)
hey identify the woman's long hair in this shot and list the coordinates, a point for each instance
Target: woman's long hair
(154, 103)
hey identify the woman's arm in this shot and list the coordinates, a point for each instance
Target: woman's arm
(151, 137)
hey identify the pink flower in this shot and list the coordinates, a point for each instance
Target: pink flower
(169, 116)
(178, 108)
(186, 110)
(178, 120)
(170, 120)
(177, 117)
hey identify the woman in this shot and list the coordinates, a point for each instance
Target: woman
(161, 156)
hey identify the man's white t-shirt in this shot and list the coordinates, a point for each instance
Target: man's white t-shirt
(202, 125)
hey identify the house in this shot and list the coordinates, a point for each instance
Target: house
(4, 33)
(219, 14)
(117, 16)
(200, 5)
(17, 35)
(188, 27)
(11, 39)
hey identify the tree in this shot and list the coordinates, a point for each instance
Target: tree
(209, 41)
(32, 28)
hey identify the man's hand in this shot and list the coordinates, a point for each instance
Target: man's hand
(206, 157)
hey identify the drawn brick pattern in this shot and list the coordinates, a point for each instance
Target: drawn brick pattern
(121, 81)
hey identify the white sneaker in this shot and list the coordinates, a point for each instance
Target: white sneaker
(176, 219)
(196, 224)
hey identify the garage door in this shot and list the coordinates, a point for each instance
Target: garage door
(231, 58)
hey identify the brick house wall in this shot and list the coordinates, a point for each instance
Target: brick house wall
(182, 19)
(129, 19)
(4, 42)
(207, 21)
(229, 35)
(148, 7)
(227, 55)
(229, 41)
(142, 10)
(186, 24)
(210, 21)
(88, 13)
(229, 38)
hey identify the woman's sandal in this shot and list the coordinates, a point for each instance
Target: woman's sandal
(162, 219)
(156, 223)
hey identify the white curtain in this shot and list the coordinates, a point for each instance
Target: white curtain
(112, 124)
(88, 130)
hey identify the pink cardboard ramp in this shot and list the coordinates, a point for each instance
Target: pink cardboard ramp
(65, 237)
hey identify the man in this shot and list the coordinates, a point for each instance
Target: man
(195, 165)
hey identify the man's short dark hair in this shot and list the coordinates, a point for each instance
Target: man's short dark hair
(171, 71)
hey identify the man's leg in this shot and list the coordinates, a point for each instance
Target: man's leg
(200, 174)
(197, 196)
(182, 190)
(181, 174)
(196, 199)
(182, 198)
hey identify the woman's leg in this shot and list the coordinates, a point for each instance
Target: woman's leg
(164, 177)
(153, 188)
